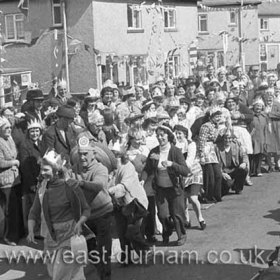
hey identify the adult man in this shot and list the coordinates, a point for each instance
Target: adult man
(58, 136)
(61, 92)
(210, 72)
(234, 163)
(36, 98)
(127, 107)
(93, 176)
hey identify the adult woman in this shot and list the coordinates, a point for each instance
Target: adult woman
(63, 210)
(194, 181)
(212, 175)
(171, 98)
(166, 164)
(9, 185)
(127, 188)
(272, 109)
(29, 152)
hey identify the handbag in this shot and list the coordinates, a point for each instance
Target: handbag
(134, 210)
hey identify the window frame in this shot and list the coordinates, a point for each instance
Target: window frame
(199, 24)
(174, 61)
(267, 24)
(134, 28)
(231, 22)
(54, 6)
(15, 39)
(167, 10)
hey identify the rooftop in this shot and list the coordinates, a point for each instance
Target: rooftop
(269, 9)
(220, 3)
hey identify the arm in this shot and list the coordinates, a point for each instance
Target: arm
(246, 114)
(180, 166)
(118, 191)
(98, 182)
(202, 139)
(191, 154)
(6, 163)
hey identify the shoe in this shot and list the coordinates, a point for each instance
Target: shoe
(152, 239)
(202, 225)
(8, 242)
(188, 225)
(182, 240)
(259, 175)
(165, 240)
(248, 182)
(270, 169)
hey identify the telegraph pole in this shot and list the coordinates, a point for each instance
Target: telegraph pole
(241, 53)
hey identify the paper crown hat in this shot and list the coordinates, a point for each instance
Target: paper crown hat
(62, 83)
(34, 123)
(84, 144)
(54, 159)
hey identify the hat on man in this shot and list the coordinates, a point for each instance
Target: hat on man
(84, 145)
(156, 92)
(162, 116)
(65, 111)
(93, 94)
(186, 100)
(34, 94)
(128, 93)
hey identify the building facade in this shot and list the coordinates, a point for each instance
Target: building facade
(269, 33)
(93, 40)
(228, 32)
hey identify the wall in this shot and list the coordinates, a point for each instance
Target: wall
(219, 21)
(111, 30)
(272, 33)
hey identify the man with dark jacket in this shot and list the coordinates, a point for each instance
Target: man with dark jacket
(234, 163)
(58, 137)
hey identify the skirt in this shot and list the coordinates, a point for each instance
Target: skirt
(193, 189)
(58, 269)
(244, 137)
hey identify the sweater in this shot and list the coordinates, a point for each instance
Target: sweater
(95, 187)
(62, 201)
(128, 185)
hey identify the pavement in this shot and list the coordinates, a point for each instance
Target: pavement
(241, 232)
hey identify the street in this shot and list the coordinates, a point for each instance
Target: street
(241, 232)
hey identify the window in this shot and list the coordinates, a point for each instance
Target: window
(57, 12)
(14, 27)
(202, 23)
(173, 66)
(169, 18)
(232, 18)
(134, 17)
(264, 23)
(263, 53)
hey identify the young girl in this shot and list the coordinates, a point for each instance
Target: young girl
(194, 181)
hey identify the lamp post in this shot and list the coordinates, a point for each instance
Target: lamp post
(241, 53)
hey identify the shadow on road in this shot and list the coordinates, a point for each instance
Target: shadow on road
(274, 215)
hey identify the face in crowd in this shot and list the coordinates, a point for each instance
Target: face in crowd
(62, 90)
(257, 108)
(231, 105)
(107, 97)
(34, 134)
(139, 92)
(46, 171)
(162, 137)
(38, 104)
(181, 91)
(9, 115)
(86, 157)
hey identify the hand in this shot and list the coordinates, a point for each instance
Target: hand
(226, 176)
(167, 163)
(243, 165)
(78, 228)
(202, 161)
(30, 237)
(16, 162)
(154, 156)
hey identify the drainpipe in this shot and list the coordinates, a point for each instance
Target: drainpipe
(65, 46)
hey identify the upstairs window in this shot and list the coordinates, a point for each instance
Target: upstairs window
(232, 18)
(170, 18)
(14, 27)
(202, 23)
(134, 17)
(264, 24)
(57, 12)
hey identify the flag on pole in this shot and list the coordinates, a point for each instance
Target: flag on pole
(193, 54)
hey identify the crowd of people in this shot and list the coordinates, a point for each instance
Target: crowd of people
(133, 159)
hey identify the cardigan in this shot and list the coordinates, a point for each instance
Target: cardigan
(178, 168)
(74, 194)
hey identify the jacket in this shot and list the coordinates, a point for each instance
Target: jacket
(29, 153)
(52, 139)
(238, 155)
(178, 168)
(78, 204)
